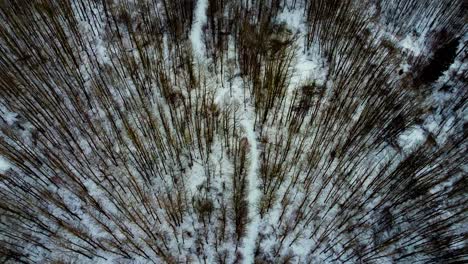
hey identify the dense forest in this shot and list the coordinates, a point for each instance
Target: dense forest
(233, 131)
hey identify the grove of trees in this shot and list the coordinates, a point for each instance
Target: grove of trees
(339, 138)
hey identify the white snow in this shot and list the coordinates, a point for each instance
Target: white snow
(293, 18)
(197, 177)
(405, 67)
(413, 44)
(4, 165)
(196, 35)
(310, 67)
(8, 116)
(253, 193)
(411, 138)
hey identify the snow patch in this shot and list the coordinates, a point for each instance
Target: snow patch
(310, 67)
(4, 165)
(9, 117)
(411, 138)
(197, 177)
(413, 44)
(293, 18)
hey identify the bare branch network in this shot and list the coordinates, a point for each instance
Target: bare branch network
(233, 131)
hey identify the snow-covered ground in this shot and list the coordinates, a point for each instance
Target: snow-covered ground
(154, 153)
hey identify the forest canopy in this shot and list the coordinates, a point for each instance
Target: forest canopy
(233, 131)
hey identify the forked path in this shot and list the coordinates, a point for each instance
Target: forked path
(247, 123)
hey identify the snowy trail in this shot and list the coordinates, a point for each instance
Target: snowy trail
(196, 35)
(253, 192)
